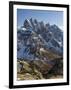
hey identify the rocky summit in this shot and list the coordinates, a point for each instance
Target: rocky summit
(39, 50)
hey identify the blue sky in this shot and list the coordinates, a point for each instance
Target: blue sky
(52, 17)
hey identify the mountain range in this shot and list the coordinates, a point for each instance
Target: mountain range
(36, 38)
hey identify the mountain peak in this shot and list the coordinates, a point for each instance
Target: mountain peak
(33, 35)
(27, 23)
